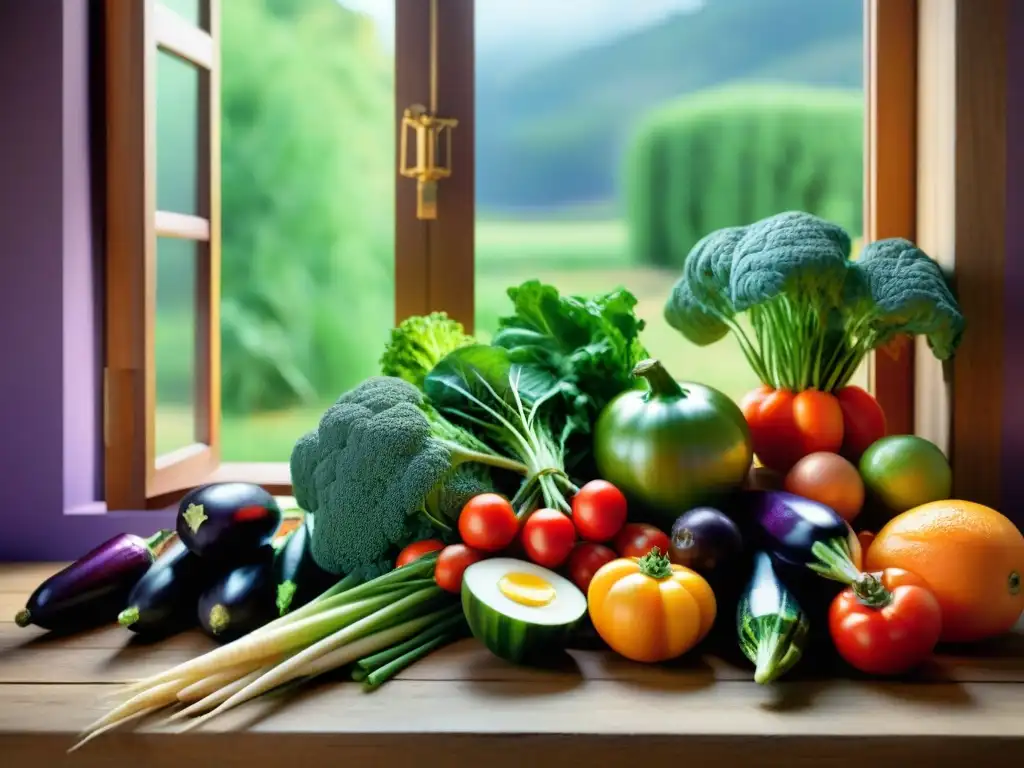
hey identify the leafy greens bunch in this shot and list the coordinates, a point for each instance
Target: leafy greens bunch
(396, 458)
(814, 313)
(537, 389)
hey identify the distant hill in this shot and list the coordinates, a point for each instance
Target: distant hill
(560, 127)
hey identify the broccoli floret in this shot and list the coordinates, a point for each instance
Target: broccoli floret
(793, 254)
(378, 469)
(419, 343)
(907, 294)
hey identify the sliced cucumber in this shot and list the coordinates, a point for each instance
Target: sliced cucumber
(520, 611)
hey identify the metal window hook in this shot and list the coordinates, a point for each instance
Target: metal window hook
(432, 136)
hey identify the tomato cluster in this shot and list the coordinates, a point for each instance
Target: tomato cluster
(594, 534)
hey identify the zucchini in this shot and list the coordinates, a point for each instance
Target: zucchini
(771, 626)
(522, 612)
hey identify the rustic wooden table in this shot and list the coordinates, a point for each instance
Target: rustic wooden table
(462, 706)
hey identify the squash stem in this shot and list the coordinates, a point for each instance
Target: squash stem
(659, 381)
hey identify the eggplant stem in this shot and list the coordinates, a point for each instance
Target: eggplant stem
(128, 616)
(158, 539)
(834, 561)
(23, 618)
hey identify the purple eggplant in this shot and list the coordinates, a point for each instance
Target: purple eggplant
(163, 602)
(703, 539)
(228, 522)
(298, 578)
(804, 532)
(241, 601)
(92, 590)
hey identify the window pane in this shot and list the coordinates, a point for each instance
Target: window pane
(187, 9)
(175, 344)
(308, 213)
(177, 134)
(612, 136)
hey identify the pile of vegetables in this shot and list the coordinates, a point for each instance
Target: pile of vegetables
(556, 485)
(805, 316)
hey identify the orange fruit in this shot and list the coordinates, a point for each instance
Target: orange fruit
(972, 558)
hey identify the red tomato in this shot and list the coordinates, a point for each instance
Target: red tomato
(887, 625)
(416, 550)
(548, 536)
(863, 421)
(637, 539)
(585, 560)
(452, 563)
(599, 511)
(488, 522)
(785, 427)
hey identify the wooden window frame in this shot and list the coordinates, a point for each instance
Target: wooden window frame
(134, 476)
(909, 193)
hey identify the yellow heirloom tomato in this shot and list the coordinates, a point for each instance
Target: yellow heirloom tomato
(649, 609)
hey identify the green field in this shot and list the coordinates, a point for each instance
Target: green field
(581, 257)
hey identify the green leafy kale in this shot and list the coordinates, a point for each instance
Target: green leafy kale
(587, 347)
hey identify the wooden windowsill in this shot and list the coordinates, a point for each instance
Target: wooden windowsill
(462, 706)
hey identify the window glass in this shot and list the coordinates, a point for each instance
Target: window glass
(308, 187)
(175, 344)
(612, 136)
(177, 134)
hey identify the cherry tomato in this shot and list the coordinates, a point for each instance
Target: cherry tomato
(488, 522)
(416, 550)
(452, 563)
(886, 625)
(585, 560)
(548, 536)
(599, 511)
(637, 539)
(863, 421)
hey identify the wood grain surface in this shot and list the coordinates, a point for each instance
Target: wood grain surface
(462, 706)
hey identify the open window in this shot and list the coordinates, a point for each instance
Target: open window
(163, 241)
(173, 273)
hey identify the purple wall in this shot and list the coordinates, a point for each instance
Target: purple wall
(49, 323)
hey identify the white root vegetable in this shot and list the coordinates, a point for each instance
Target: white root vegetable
(216, 697)
(155, 698)
(111, 726)
(341, 641)
(263, 645)
(203, 688)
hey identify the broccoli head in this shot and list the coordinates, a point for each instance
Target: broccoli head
(906, 293)
(699, 306)
(379, 469)
(794, 254)
(419, 343)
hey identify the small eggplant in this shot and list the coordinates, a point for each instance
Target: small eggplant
(771, 626)
(92, 590)
(298, 578)
(163, 602)
(704, 539)
(239, 602)
(806, 532)
(228, 522)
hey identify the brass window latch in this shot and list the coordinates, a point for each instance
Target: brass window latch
(431, 137)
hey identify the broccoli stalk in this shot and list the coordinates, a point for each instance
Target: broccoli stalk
(419, 343)
(814, 313)
(382, 469)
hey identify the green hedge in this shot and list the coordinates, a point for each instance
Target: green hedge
(732, 156)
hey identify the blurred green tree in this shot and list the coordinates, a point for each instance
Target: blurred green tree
(734, 155)
(307, 155)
